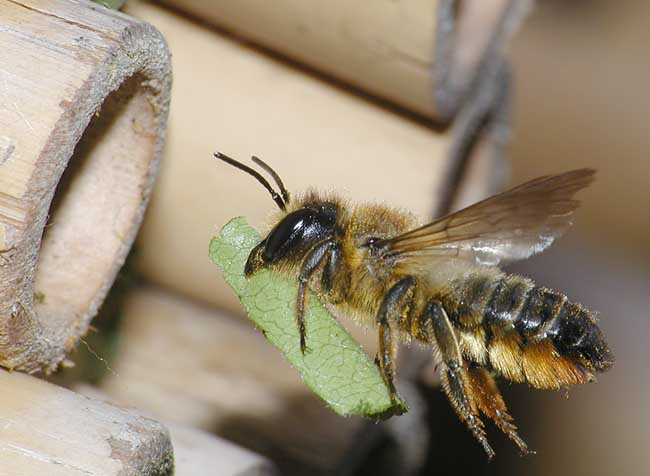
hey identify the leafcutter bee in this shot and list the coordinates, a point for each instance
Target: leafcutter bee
(440, 284)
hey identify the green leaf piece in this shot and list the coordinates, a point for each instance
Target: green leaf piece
(335, 367)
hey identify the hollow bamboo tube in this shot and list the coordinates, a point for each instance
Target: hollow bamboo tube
(84, 94)
(423, 55)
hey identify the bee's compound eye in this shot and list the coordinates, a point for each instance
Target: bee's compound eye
(288, 233)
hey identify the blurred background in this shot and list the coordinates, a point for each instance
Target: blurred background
(176, 343)
(581, 100)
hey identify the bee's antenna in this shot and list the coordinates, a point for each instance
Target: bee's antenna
(285, 194)
(276, 198)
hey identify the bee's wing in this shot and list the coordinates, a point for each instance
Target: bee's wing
(510, 226)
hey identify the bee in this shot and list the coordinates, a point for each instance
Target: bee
(440, 284)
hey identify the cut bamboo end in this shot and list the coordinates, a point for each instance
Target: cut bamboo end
(48, 430)
(83, 110)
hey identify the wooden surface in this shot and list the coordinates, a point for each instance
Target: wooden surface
(84, 93)
(232, 98)
(48, 430)
(423, 55)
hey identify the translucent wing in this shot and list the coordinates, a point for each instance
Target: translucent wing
(510, 226)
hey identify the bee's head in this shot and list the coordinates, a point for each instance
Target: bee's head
(297, 231)
(293, 235)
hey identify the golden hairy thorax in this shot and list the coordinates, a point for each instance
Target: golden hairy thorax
(361, 280)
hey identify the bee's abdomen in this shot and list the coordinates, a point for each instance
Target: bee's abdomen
(526, 332)
(575, 333)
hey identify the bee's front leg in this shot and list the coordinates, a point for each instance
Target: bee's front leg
(309, 265)
(455, 379)
(391, 309)
(335, 279)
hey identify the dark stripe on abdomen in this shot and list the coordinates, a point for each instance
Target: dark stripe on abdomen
(465, 305)
(542, 306)
(508, 298)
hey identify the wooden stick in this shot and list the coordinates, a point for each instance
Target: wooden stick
(84, 94)
(424, 55)
(472, 36)
(477, 165)
(48, 430)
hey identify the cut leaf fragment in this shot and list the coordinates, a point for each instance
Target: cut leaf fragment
(335, 367)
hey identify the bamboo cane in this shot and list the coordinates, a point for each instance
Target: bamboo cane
(423, 55)
(84, 93)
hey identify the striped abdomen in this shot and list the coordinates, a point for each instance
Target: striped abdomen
(526, 332)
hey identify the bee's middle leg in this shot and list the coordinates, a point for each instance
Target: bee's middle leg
(391, 310)
(455, 378)
(309, 265)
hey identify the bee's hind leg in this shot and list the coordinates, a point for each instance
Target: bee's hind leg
(393, 306)
(309, 265)
(455, 378)
(491, 403)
